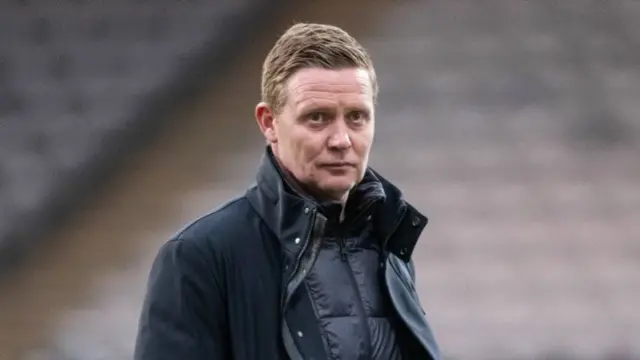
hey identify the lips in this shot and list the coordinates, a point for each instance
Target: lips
(338, 165)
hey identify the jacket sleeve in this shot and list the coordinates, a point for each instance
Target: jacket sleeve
(183, 312)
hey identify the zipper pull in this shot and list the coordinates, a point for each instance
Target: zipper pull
(343, 250)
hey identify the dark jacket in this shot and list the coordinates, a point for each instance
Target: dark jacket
(345, 281)
(235, 283)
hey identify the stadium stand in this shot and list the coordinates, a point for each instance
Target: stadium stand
(520, 136)
(84, 82)
(514, 125)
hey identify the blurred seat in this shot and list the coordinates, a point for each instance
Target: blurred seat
(511, 124)
(75, 75)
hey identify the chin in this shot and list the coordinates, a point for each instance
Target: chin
(338, 187)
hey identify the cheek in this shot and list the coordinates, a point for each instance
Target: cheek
(300, 153)
(306, 155)
(362, 143)
(308, 147)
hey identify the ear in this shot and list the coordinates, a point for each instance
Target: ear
(266, 121)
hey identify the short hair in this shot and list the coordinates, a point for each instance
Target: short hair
(308, 45)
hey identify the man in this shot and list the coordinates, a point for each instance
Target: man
(314, 261)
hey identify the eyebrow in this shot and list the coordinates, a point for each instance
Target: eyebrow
(316, 105)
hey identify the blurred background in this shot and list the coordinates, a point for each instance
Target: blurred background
(513, 125)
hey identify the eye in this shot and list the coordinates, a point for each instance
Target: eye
(357, 116)
(316, 117)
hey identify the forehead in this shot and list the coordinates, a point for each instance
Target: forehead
(348, 87)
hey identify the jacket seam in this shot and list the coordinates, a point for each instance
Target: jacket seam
(202, 256)
(180, 234)
(323, 333)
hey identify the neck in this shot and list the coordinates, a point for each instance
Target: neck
(306, 191)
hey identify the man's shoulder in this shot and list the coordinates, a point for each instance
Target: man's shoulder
(235, 219)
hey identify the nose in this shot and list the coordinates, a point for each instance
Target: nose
(339, 140)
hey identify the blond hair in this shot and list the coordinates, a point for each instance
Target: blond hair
(308, 45)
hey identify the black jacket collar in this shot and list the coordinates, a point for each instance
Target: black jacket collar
(286, 211)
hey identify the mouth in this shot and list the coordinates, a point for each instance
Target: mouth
(338, 165)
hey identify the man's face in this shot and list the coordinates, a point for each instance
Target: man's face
(323, 133)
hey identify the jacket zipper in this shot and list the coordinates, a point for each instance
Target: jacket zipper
(344, 254)
(289, 343)
(361, 313)
(343, 250)
(296, 267)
